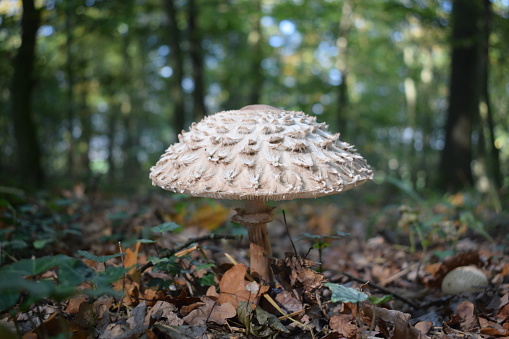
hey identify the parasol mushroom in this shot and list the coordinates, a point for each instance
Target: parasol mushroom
(259, 153)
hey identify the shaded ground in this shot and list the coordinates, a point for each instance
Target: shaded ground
(382, 280)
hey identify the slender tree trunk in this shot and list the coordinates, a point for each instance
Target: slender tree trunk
(29, 158)
(487, 116)
(345, 24)
(197, 60)
(86, 134)
(70, 87)
(177, 63)
(464, 95)
(411, 112)
(255, 40)
(130, 166)
(112, 132)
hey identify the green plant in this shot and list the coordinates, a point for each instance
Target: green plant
(24, 282)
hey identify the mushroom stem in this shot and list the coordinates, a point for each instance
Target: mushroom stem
(259, 242)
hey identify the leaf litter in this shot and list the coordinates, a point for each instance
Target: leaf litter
(171, 298)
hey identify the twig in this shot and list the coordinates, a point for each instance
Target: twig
(171, 252)
(399, 274)
(123, 281)
(288, 232)
(383, 289)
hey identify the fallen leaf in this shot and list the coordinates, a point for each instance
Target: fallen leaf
(344, 325)
(288, 301)
(232, 287)
(465, 317)
(130, 260)
(165, 312)
(211, 311)
(496, 330)
(137, 319)
(180, 332)
(52, 327)
(182, 299)
(73, 305)
(402, 330)
(424, 326)
(295, 272)
(212, 293)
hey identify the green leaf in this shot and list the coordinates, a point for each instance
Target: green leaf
(344, 294)
(166, 227)
(320, 245)
(145, 241)
(73, 273)
(118, 216)
(382, 300)
(9, 289)
(32, 267)
(203, 266)
(100, 259)
(208, 280)
(39, 244)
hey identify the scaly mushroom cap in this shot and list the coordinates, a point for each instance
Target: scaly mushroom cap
(260, 152)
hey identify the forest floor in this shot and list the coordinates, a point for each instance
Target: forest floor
(80, 265)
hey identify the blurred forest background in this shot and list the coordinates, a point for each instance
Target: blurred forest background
(95, 91)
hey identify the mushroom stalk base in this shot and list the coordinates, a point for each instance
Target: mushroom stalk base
(255, 217)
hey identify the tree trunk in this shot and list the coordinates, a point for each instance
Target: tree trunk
(69, 9)
(464, 95)
(493, 153)
(177, 60)
(255, 41)
(197, 60)
(86, 132)
(29, 158)
(345, 24)
(112, 132)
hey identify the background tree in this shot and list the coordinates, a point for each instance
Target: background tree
(28, 153)
(464, 94)
(117, 81)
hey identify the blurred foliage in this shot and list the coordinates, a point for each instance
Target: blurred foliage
(103, 75)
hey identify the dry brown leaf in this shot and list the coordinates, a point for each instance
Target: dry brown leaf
(288, 301)
(53, 326)
(402, 330)
(496, 330)
(165, 312)
(465, 317)
(186, 309)
(130, 288)
(73, 305)
(137, 318)
(182, 299)
(344, 325)
(232, 287)
(295, 272)
(424, 326)
(503, 311)
(211, 311)
(130, 260)
(85, 318)
(212, 293)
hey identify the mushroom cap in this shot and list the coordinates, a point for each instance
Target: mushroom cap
(260, 152)
(464, 279)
